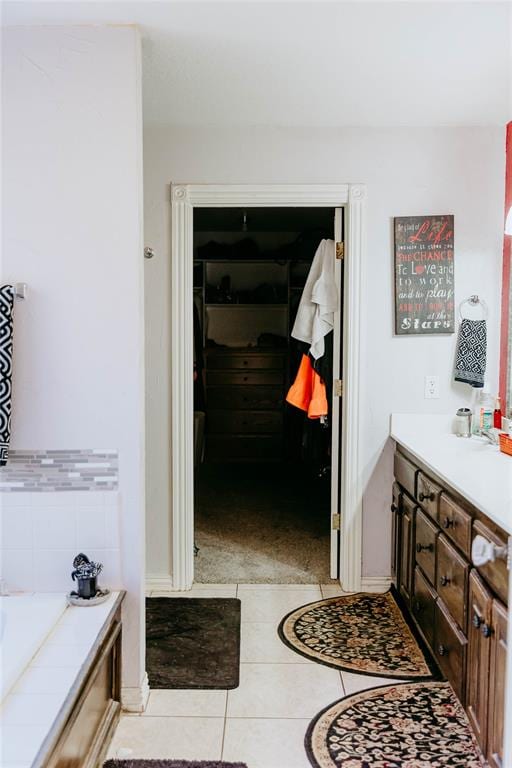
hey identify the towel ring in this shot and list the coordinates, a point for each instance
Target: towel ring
(474, 301)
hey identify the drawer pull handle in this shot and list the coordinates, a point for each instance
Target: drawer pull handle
(245, 362)
(427, 496)
(246, 378)
(442, 651)
(444, 581)
(417, 606)
(476, 621)
(426, 547)
(486, 630)
(447, 523)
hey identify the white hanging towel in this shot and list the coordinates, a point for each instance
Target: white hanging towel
(319, 302)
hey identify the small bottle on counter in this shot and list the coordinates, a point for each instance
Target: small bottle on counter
(484, 412)
(497, 414)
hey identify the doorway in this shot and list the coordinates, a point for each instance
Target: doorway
(265, 490)
(185, 200)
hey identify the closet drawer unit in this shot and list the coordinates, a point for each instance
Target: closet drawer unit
(450, 649)
(428, 495)
(456, 523)
(425, 545)
(452, 580)
(245, 398)
(405, 473)
(424, 606)
(244, 447)
(246, 362)
(495, 573)
(245, 422)
(223, 378)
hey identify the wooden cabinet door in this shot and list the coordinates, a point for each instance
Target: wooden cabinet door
(396, 531)
(497, 679)
(479, 654)
(406, 560)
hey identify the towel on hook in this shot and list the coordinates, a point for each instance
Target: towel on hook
(315, 316)
(6, 328)
(470, 358)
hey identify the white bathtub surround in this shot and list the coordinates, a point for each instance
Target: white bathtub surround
(471, 466)
(30, 709)
(41, 533)
(25, 623)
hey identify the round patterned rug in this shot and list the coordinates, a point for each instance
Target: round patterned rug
(410, 725)
(362, 633)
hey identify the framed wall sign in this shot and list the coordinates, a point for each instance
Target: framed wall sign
(424, 280)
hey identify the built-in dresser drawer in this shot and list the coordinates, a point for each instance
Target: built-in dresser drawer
(424, 605)
(452, 580)
(244, 377)
(425, 545)
(245, 398)
(450, 649)
(456, 523)
(495, 573)
(245, 422)
(405, 473)
(428, 495)
(261, 362)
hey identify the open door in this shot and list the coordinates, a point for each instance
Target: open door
(337, 393)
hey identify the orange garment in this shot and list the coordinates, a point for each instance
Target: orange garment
(308, 391)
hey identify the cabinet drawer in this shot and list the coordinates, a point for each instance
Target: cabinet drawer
(246, 362)
(496, 573)
(245, 422)
(452, 580)
(425, 545)
(450, 649)
(244, 447)
(244, 377)
(424, 606)
(456, 523)
(428, 495)
(405, 473)
(245, 398)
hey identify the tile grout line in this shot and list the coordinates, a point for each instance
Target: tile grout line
(224, 727)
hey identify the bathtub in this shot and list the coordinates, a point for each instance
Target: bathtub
(25, 623)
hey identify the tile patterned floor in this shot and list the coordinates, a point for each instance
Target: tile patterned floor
(264, 720)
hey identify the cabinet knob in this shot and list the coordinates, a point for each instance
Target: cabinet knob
(476, 621)
(394, 508)
(246, 378)
(426, 547)
(442, 651)
(447, 523)
(427, 496)
(417, 606)
(486, 630)
(444, 581)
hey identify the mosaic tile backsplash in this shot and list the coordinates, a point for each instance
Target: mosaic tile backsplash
(95, 469)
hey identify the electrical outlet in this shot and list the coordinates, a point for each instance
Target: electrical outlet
(431, 387)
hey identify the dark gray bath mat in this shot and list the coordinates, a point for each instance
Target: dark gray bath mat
(193, 642)
(170, 764)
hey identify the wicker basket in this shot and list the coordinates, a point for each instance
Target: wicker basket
(505, 443)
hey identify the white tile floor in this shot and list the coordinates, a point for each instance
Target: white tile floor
(264, 720)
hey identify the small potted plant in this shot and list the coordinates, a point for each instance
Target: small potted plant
(85, 575)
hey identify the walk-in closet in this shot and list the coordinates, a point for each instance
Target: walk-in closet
(262, 403)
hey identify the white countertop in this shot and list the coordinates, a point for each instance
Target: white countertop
(473, 467)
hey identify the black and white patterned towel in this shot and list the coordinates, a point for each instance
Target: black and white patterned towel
(471, 352)
(6, 328)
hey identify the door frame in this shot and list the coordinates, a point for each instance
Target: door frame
(184, 198)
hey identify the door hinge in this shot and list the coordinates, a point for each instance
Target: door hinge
(336, 522)
(340, 250)
(338, 387)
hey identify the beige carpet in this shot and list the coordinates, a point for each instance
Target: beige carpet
(264, 524)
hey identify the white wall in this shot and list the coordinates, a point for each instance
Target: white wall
(72, 229)
(407, 171)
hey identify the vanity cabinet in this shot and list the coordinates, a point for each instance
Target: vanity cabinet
(459, 609)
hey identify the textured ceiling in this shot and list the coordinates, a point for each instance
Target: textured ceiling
(311, 63)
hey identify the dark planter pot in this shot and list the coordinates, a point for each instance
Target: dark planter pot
(87, 587)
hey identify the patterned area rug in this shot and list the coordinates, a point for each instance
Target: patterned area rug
(362, 633)
(170, 764)
(421, 725)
